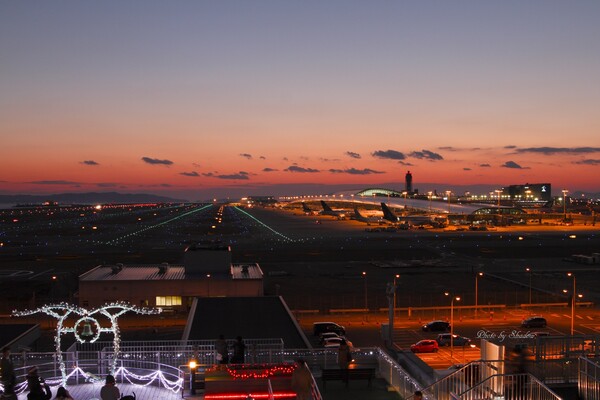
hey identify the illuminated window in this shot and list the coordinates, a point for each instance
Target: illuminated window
(166, 301)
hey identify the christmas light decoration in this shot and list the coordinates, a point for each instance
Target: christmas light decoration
(231, 396)
(122, 372)
(252, 372)
(83, 325)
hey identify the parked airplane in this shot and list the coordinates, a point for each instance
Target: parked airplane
(368, 219)
(417, 220)
(308, 211)
(341, 214)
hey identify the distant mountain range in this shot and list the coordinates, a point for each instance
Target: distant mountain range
(88, 198)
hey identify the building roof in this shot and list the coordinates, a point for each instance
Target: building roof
(162, 272)
(149, 272)
(246, 271)
(249, 317)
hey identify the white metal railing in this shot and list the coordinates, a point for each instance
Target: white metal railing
(146, 373)
(588, 384)
(512, 386)
(395, 375)
(464, 378)
(165, 366)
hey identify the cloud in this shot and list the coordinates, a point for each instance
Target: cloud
(107, 184)
(159, 185)
(352, 154)
(466, 169)
(510, 147)
(389, 154)
(89, 162)
(156, 161)
(486, 165)
(285, 159)
(240, 175)
(196, 165)
(192, 174)
(587, 162)
(246, 155)
(354, 171)
(295, 168)
(329, 159)
(262, 157)
(57, 182)
(269, 169)
(405, 163)
(556, 150)
(426, 154)
(512, 164)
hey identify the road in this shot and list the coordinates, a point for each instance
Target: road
(504, 329)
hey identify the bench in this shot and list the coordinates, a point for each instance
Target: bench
(347, 375)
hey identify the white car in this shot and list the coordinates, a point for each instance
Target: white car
(328, 335)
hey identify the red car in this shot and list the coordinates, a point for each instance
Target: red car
(425, 346)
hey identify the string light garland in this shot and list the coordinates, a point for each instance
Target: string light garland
(87, 318)
(174, 386)
(253, 371)
(284, 395)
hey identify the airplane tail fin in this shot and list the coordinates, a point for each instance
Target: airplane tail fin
(305, 208)
(358, 215)
(325, 206)
(388, 214)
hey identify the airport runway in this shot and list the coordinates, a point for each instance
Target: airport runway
(313, 265)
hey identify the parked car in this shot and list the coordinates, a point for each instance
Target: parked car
(534, 322)
(328, 335)
(335, 342)
(425, 346)
(436, 326)
(443, 339)
(322, 327)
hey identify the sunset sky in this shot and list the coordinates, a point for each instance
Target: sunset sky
(188, 98)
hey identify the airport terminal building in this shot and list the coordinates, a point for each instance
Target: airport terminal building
(207, 271)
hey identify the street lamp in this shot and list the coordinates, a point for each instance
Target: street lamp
(564, 192)
(192, 365)
(364, 274)
(457, 298)
(429, 195)
(530, 273)
(572, 275)
(207, 285)
(477, 275)
(498, 192)
(395, 286)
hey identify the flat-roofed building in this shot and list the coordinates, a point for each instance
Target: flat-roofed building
(207, 271)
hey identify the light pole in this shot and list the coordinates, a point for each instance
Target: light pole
(429, 195)
(477, 275)
(448, 193)
(573, 296)
(207, 285)
(364, 274)
(530, 273)
(498, 192)
(452, 323)
(395, 287)
(564, 192)
(405, 193)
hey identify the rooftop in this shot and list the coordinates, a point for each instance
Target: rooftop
(162, 272)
